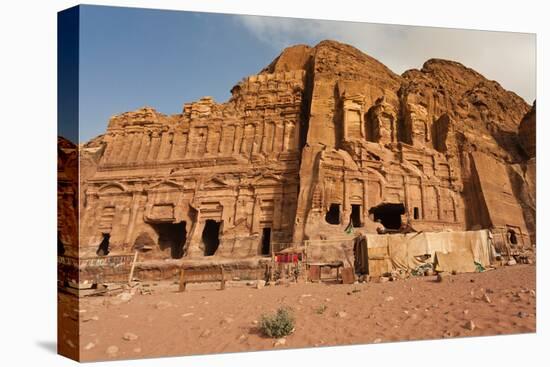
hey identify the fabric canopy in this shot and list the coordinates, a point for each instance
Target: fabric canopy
(411, 250)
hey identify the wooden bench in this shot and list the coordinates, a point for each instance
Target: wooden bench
(199, 275)
(315, 270)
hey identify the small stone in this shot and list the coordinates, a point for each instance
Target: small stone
(384, 279)
(470, 325)
(124, 316)
(260, 284)
(90, 318)
(341, 314)
(187, 314)
(129, 336)
(282, 282)
(242, 338)
(389, 299)
(250, 283)
(522, 314)
(70, 343)
(377, 340)
(442, 276)
(472, 280)
(206, 333)
(327, 299)
(532, 292)
(486, 298)
(511, 262)
(305, 295)
(226, 320)
(254, 322)
(162, 305)
(447, 334)
(279, 342)
(466, 312)
(136, 350)
(112, 350)
(89, 346)
(125, 296)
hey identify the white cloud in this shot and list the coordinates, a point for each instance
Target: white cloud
(506, 57)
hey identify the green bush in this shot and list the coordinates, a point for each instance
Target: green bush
(321, 309)
(278, 325)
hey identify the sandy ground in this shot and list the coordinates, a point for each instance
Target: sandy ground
(201, 321)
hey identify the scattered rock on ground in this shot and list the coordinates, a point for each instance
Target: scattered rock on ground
(112, 350)
(162, 305)
(226, 320)
(242, 338)
(125, 296)
(470, 325)
(129, 336)
(443, 276)
(341, 314)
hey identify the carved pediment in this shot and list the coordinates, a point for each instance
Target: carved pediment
(216, 182)
(166, 185)
(267, 179)
(112, 188)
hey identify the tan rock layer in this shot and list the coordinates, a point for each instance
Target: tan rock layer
(323, 137)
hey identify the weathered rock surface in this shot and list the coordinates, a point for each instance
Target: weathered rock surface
(323, 137)
(67, 197)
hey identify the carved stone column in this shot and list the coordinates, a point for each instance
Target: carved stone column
(155, 146)
(109, 140)
(145, 146)
(164, 146)
(136, 144)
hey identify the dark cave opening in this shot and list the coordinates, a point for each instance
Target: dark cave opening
(210, 237)
(173, 236)
(388, 214)
(333, 214)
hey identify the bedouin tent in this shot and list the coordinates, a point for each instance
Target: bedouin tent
(456, 250)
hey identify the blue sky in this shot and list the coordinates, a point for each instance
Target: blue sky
(131, 58)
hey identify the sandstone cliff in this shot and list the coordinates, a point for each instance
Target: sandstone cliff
(321, 138)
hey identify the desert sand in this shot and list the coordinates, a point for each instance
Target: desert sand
(206, 320)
